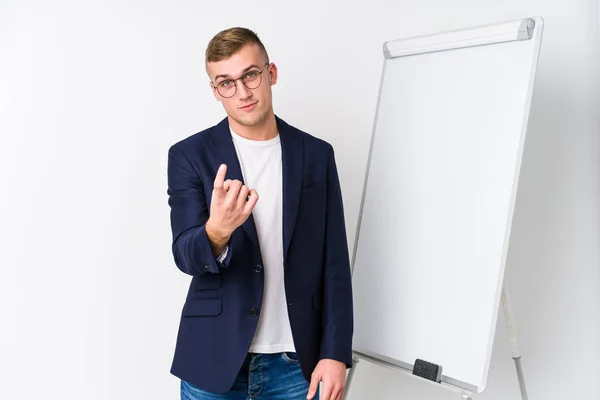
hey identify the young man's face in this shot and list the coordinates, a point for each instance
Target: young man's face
(248, 107)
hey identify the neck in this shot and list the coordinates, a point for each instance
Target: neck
(265, 130)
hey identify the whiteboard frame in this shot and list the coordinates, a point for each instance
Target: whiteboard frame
(530, 28)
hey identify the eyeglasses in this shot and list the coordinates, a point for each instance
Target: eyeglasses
(251, 79)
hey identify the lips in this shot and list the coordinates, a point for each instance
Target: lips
(249, 106)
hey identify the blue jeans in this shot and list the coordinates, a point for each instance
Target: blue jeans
(262, 377)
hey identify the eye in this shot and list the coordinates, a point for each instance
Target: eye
(251, 75)
(225, 84)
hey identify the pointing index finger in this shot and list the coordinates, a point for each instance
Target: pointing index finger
(220, 178)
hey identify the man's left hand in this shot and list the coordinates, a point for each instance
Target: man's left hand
(333, 375)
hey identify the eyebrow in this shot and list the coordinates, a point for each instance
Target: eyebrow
(244, 71)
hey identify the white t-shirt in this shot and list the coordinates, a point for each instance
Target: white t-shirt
(261, 166)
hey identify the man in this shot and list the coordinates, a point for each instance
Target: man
(257, 221)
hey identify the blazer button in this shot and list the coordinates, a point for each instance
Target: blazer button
(258, 269)
(253, 311)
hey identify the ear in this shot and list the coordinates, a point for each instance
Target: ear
(215, 93)
(273, 73)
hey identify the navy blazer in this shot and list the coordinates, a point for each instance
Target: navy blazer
(224, 300)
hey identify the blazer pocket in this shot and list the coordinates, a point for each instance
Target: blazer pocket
(208, 282)
(318, 300)
(202, 308)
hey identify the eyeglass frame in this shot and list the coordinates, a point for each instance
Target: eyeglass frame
(268, 63)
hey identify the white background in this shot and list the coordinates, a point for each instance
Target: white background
(92, 94)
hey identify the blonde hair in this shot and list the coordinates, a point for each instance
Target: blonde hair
(228, 42)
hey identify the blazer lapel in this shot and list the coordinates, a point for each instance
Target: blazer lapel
(223, 152)
(292, 152)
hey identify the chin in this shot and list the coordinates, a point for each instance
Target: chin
(250, 120)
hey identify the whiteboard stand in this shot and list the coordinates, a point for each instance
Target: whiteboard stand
(463, 142)
(514, 346)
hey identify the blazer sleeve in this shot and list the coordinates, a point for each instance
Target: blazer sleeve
(189, 212)
(337, 291)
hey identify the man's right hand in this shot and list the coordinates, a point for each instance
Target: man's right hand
(230, 206)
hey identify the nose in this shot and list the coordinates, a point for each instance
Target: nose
(243, 92)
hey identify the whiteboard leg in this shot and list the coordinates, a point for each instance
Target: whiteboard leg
(350, 376)
(521, 378)
(514, 345)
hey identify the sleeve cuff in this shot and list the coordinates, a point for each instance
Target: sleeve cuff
(223, 255)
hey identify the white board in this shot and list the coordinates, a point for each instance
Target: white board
(438, 199)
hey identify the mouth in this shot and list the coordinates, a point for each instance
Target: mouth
(248, 107)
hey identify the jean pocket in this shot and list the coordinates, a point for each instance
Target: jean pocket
(290, 357)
